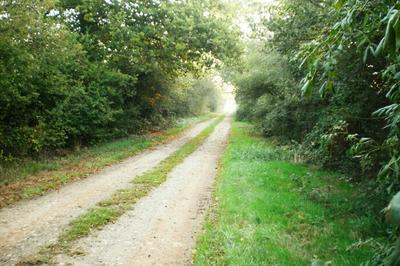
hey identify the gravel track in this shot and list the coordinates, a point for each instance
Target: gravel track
(162, 228)
(28, 225)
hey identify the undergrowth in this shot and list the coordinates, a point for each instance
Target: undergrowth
(271, 211)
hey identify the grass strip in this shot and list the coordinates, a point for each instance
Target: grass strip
(34, 177)
(270, 211)
(121, 201)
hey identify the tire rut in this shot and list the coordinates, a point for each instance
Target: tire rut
(27, 226)
(162, 228)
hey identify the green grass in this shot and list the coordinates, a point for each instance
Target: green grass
(121, 201)
(33, 177)
(269, 211)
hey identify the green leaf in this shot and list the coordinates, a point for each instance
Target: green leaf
(396, 28)
(392, 211)
(307, 88)
(361, 44)
(365, 57)
(339, 4)
(329, 86)
(392, 90)
(390, 35)
(379, 49)
(395, 257)
(322, 89)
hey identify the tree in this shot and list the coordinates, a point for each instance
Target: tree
(76, 72)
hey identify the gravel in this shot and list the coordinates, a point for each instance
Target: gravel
(28, 225)
(162, 228)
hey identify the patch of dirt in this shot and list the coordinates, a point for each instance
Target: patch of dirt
(162, 228)
(28, 225)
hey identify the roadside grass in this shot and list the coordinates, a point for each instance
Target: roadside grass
(33, 177)
(111, 209)
(270, 211)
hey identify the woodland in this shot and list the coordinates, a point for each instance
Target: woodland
(323, 78)
(319, 78)
(73, 73)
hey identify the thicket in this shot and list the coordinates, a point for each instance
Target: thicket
(325, 77)
(75, 72)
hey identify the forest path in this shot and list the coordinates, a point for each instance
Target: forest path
(27, 226)
(162, 228)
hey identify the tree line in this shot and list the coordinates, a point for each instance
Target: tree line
(76, 72)
(324, 77)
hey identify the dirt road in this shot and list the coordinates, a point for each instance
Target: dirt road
(28, 225)
(161, 229)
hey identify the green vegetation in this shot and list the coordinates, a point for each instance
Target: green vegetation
(77, 72)
(321, 78)
(30, 178)
(269, 211)
(324, 78)
(121, 201)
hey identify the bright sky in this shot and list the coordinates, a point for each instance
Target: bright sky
(249, 9)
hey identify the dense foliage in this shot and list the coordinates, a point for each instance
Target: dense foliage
(75, 72)
(325, 76)
(319, 77)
